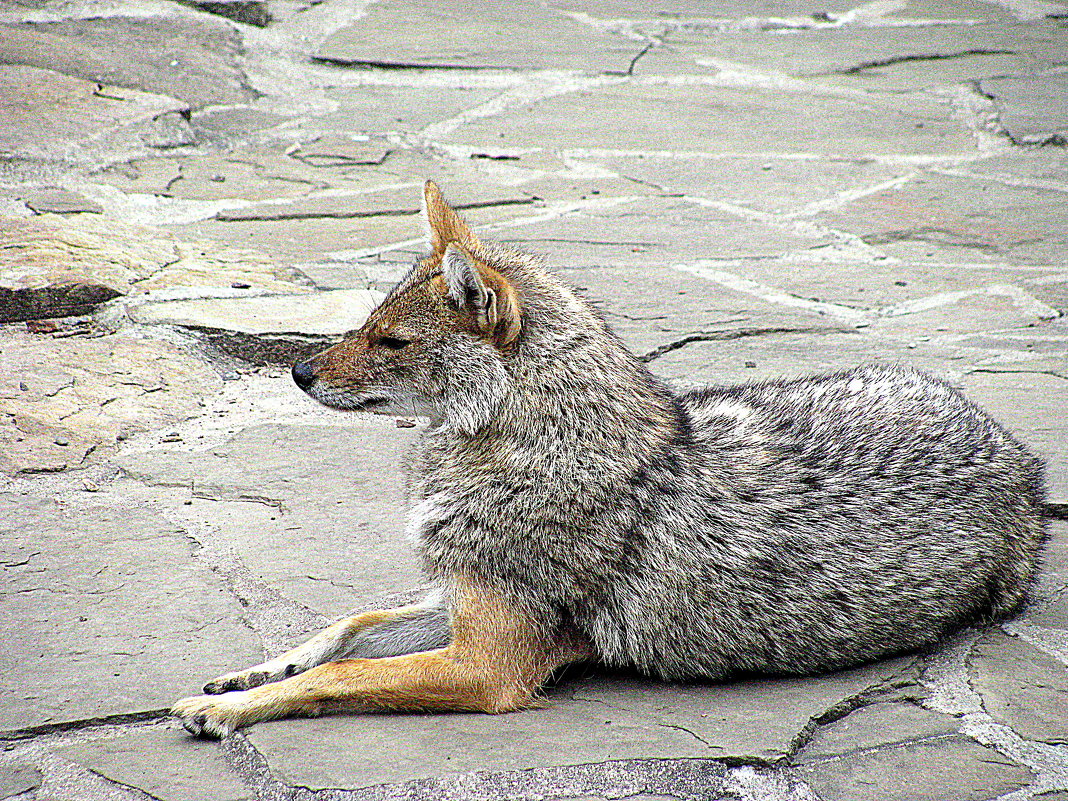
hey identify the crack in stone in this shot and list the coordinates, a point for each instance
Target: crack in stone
(883, 690)
(997, 371)
(886, 62)
(281, 213)
(84, 723)
(693, 734)
(629, 71)
(738, 333)
(274, 618)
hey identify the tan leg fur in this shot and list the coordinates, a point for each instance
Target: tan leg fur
(333, 642)
(495, 663)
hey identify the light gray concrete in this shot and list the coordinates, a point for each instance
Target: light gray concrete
(194, 195)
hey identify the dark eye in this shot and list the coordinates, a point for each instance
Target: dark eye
(393, 343)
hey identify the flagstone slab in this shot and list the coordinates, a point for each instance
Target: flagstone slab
(1022, 687)
(105, 611)
(68, 400)
(587, 721)
(267, 329)
(956, 769)
(500, 35)
(58, 265)
(960, 215)
(1033, 108)
(51, 118)
(162, 761)
(877, 726)
(690, 116)
(860, 58)
(193, 57)
(329, 499)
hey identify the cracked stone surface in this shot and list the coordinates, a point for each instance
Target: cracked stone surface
(105, 612)
(946, 769)
(194, 194)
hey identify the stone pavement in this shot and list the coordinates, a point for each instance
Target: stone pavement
(193, 195)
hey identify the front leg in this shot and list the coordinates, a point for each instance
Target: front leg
(388, 632)
(496, 661)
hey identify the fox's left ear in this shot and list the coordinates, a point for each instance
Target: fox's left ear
(483, 291)
(444, 223)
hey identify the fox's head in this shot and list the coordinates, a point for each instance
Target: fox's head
(438, 340)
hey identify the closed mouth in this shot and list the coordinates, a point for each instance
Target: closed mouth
(370, 403)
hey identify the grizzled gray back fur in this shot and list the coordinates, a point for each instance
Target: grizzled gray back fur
(784, 526)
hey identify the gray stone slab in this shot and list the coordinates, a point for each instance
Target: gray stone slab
(330, 502)
(56, 266)
(267, 329)
(876, 726)
(105, 612)
(696, 11)
(724, 119)
(58, 201)
(1021, 687)
(1053, 613)
(319, 239)
(650, 231)
(312, 239)
(995, 307)
(54, 118)
(17, 778)
(593, 720)
(250, 12)
(944, 770)
(651, 309)
(162, 761)
(365, 204)
(189, 56)
(1033, 108)
(864, 58)
(1030, 404)
(398, 107)
(1018, 224)
(501, 35)
(773, 185)
(783, 355)
(1045, 166)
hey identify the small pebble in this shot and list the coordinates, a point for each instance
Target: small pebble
(403, 423)
(61, 442)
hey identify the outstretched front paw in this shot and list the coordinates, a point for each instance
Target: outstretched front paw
(210, 716)
(252, 677)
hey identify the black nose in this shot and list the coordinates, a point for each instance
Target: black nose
(303, 374)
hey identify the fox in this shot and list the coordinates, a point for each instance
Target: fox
(569, 506)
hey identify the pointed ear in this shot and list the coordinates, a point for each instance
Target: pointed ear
(444, 223)
(485, 293)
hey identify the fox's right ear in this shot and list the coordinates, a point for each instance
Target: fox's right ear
(484, 292)
(444, 223)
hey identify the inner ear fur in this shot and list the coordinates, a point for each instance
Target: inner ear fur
(444, 223)
(485, 293)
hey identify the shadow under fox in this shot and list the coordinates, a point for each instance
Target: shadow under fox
(570, 506)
